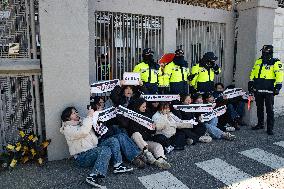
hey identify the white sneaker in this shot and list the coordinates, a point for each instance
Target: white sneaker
(205, 139)
(162, 163)
(149, 156)
(169, 149)
(230, 129)
(189, 141)
(228, 136)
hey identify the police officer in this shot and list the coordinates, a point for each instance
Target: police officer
(176, 74)
(203, 73)
(265, 82)
(149, 71)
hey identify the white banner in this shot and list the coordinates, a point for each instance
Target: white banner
(107, 114)
(215, 113)
(142, 120)
(104, 86)
(233, 93)
(195, 107)
(160, 98)
(178, 120)
(131, 78)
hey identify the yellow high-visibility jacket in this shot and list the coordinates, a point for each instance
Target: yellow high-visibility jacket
(265, 76)
(174, 73)
(145, 75)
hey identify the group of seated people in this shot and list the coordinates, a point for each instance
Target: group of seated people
(135, 142)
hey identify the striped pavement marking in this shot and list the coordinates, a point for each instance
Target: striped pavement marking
(281, 143)
(266, 158)
(274, 178)
(232, 176)
(162, 180)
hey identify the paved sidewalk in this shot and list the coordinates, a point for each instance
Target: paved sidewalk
(65, 174)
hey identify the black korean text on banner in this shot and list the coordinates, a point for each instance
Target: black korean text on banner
(104, 86)
(142, 120)
(160, 98)
(131, 78)
(107, 114)
(215, 113)
(195, 107)
(233, 93)
(98, 126)
(101, 129)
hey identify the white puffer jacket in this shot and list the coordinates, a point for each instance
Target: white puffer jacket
(79, 135)
(165, 125)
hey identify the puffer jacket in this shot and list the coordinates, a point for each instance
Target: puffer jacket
(167, 126)
(79, 135)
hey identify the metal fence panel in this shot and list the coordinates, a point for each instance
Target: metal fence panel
(198, 37)
(18, 97)
(120, 39)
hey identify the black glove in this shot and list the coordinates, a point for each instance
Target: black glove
(215, 68)
(250, 87)
(190, 77)
(277, 89)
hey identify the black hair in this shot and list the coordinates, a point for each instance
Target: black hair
(65, 116)
(96, 100)
(184, 96)
(163, 105)
(136, 104)
(216, 84)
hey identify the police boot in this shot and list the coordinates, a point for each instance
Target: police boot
(269, 132)
(257, 127)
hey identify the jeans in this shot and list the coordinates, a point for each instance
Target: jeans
(233, 114)
(114, 146)
(212, 128)
(128, 148)
(98, 157)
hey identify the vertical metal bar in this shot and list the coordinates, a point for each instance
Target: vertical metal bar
(191, 44)
(32, 13)
(34, 110)
(113, 63)
(28, 26)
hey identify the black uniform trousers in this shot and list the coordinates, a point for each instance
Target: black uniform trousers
(268, 99)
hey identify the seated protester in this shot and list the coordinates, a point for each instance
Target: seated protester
(152, 107)
(123, 95)
(225, 123)
(237, 110)
(83, 146)
(211, 125)
(143, 137)
(167, 133)
(198, 131)
(128, 148)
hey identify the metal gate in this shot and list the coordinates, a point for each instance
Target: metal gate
(197, 37)
(120, 39)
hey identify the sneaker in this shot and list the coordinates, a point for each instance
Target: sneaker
(189, 141)
(122, 169)
(229, 136)
(149, 156)
(257, 127)
(162, 163)
(169, 149)
(94, 181)
(205, 139)
(235, 125)
(138, 162)
(230, 129)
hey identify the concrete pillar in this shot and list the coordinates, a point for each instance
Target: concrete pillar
(65, 64)
(170, 26)
(255, 27)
